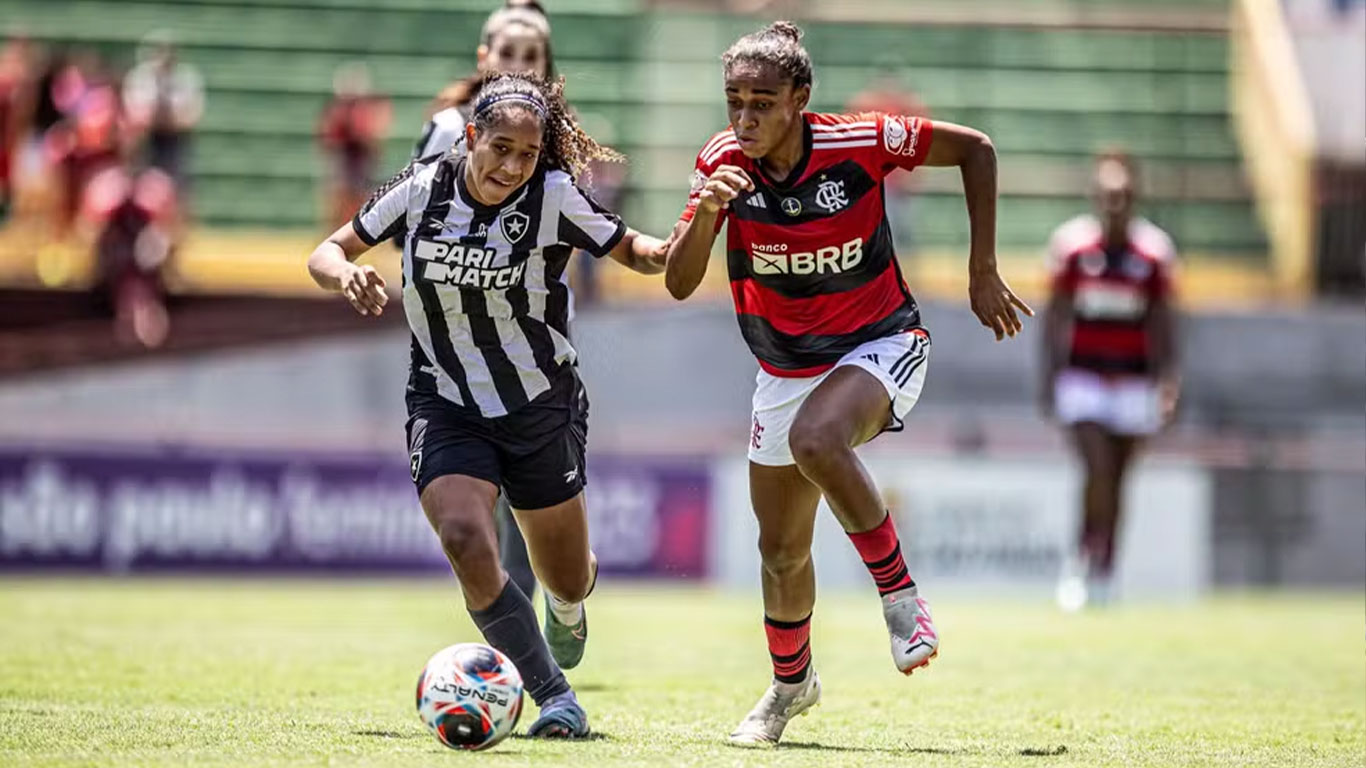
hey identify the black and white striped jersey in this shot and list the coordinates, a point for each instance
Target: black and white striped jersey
(440, 133)
(484, 287)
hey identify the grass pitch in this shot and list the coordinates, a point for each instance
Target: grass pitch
(290, 673)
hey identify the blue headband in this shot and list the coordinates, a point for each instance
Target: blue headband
(485, 104)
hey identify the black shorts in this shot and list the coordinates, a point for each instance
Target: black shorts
(534, 454)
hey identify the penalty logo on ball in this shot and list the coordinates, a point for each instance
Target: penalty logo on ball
(469, 696)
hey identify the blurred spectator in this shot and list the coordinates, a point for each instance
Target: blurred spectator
(15, 112)
(57, 85)
(886, 95)
(352, 132)
(87, 138)
(164, 99)
(134, 217)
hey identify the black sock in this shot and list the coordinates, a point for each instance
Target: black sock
(512, 550)
(509, 625)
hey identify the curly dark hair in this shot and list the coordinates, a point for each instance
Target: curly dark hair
(778, 45)
(565, 146)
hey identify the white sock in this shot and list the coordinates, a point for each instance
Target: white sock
(568, 614)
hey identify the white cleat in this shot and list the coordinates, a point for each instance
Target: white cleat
(1071, 595)
(764, 724)
(1081, 586)
(914, 638)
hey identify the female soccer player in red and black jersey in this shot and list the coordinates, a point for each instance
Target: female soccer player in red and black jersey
(1110, 358)
(824, 308)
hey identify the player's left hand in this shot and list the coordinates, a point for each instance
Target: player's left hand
(994, 304)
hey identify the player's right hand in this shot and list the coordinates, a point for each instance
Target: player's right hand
(363, 286)
(725, 184)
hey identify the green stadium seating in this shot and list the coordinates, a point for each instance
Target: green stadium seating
(648, 82)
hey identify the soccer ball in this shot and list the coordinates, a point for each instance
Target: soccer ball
(469, 696)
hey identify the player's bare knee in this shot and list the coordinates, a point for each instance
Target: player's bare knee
(783, 556)
(571, 588)
(463, 537)
(815, 446)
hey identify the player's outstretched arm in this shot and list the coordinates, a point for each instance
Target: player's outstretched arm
(332, 269)
(690, 245)
(640, 252)
(971, 150)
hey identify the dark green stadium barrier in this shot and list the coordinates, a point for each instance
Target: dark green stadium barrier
(355, 30)
(602, 7)
(1007, 47)
(650, 84)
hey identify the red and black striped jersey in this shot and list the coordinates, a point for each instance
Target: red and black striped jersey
(1111, 292)
(813, 271)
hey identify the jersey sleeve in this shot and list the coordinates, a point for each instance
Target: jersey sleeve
(708, 160)
(1163, 284)
(586, 225)
(1062, 275)
(385, 214)
(903, 141)
(1159, 250)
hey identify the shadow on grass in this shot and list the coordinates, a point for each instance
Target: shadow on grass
(1026, 752)
(879, 750)
(592, 736)
(391, 734)
(1061, 749)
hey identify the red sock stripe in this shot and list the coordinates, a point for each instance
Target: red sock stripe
(899, 581)
(791, 670)
(881, 552)
(787, 638)
(875, 545)
(789, 647)
(887, 570)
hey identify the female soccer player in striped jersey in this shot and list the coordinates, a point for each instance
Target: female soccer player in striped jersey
(514, 38)
(822, 305)
(494, 400)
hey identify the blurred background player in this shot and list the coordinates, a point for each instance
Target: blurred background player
(494, 400)
(352, 132)
(1109, 346)
(823, 306)
(135, 225)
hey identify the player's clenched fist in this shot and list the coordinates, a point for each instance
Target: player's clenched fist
(726, 184)
(364, 288)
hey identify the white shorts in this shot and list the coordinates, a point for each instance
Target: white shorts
(1126, 405)
(898, 362)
